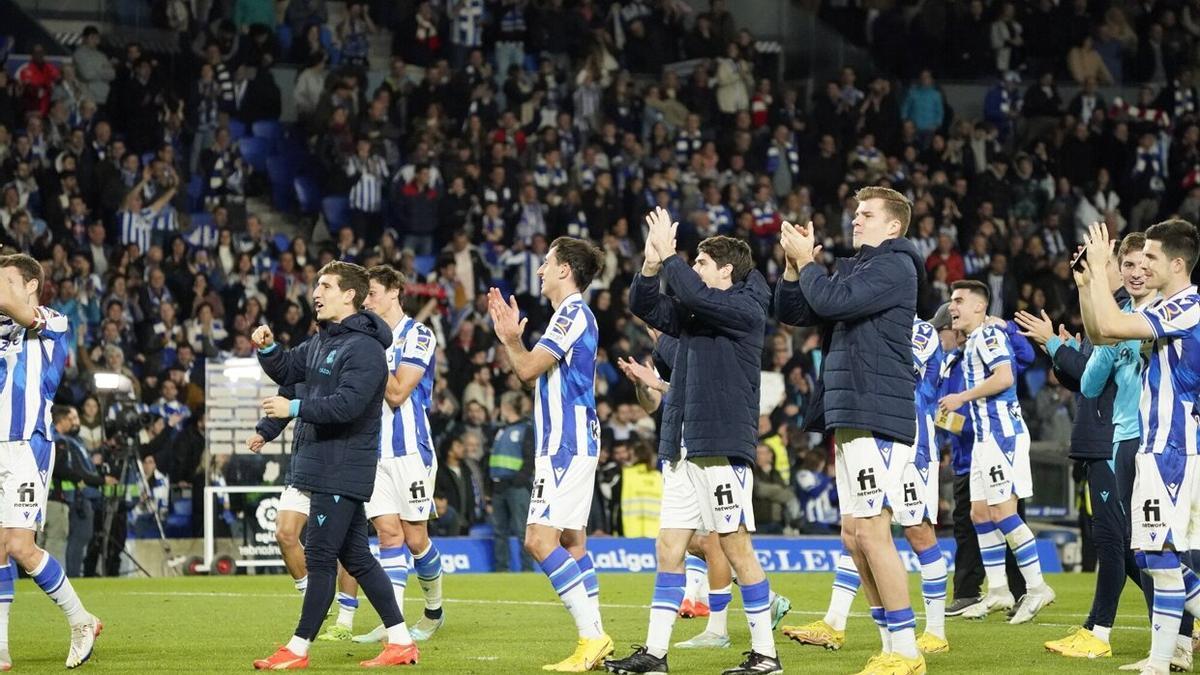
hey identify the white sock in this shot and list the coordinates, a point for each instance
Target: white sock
(718, 610)
(567, 580)
(301, 584)
(902, 624)
(885, 638)
(395, 565)
(756, 601)
(696, 571)
(428, 565)
(991, 549)
(4, 609)
(1102, 632)
(298, 646)
(50, 577)
(933, 591)
(845, 586)
(1166, 615)
(1024, 547)
(398, 634)
(347, 606)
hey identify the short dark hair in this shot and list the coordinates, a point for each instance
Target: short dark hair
(1178, 238)
(388, 277)
(26, 265)
(351, 277)
(584, 258)
(977, 287)
(1133, 242)
(59, 412)
(729, 251)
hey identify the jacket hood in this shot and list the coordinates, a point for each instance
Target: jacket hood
(368, 323)
(755, 285)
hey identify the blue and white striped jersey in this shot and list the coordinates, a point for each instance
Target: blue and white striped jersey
(468, 24)
(137, 228)
(1171, 379)
(996, 416)
(31, 366)
(927, 362)
(564, 409)
(405, 430)
(367, 193)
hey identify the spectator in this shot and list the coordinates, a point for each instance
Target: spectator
(771, 493)
(924, 107)
(1086, 63)
(37, 77)
(456, 484)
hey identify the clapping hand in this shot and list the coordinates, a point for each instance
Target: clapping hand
(662, 233)
(1037, 328)
(506, 317)
(639, 373)
(798, 244)
(1099, 249)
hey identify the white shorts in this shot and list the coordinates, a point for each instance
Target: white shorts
(869, 471)
(917, 500)
(707, 494)
(562, 491)
(24, 482)
(293, 500)
(403, 486)
(1166, 501)
(1000, 469)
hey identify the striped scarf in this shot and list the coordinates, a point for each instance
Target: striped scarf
(774, 154)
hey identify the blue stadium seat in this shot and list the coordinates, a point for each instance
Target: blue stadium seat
(237, 129)
(424, 264)
(200, 218)
(182, 506)
(281, 174)
(195, 192)
(270, 131)
(283, 33)
(337, 212)
(481, 530)
(308, 195)
(254, 152)
(281, 242)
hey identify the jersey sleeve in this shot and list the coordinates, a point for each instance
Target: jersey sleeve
(924, 343)
(418, 350)
(52, 325)
(992, 347)
(1174, 318)
(566, 328)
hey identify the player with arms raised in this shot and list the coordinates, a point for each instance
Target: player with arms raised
(563, 362)
(33, 346)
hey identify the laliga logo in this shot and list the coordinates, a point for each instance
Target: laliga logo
(266, 513)
(458, 562)
(622, 559)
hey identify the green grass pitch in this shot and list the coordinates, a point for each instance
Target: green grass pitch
(510, 623)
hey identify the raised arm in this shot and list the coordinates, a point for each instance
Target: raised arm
(729, 311)
(284, 366)
(528, 365)
(649, 304)
(872, 287)
(790, 305)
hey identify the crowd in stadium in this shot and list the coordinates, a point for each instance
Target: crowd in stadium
(503, 124)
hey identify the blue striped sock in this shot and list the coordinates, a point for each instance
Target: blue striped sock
(8, 573)
(1166, 614)
(902, 626)
(696, 571)
(567, 580)
(756, 600)
(1191, 587)
(664, 608)
(991, 549)
(50, 577)
(1020, 539)
(590, 581)
(880, 619)
(429, 574)
(845, 586)
(395, 565)
(933, 589)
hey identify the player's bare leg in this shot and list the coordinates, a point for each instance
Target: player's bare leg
(288, 527)
(670, 549)
(575, 541)
(545, 544)
(883, 574)
(756, 601)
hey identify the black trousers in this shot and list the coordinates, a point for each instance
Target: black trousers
(968, 562)
(337, 531)
(1110, 488)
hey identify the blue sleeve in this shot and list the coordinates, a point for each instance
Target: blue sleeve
(1099, 369)
(1022, 348)
(649, 304)
(732, 312)
(286, 366)
(791, 307)
(359, 378)
(873, 286)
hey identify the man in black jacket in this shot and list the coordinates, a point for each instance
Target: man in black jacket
(73, 471)
(344, 371)
(709, 430)
(868, 389)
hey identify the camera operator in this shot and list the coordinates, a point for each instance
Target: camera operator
(70, 515)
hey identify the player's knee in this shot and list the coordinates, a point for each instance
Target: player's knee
(287, 538)
(537, 545)
(24, 551)
(920, 537)
(848, 540)
(416, 538)
(980, 513)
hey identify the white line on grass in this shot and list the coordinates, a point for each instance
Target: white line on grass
(551, 603)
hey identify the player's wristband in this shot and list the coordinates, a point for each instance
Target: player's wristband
(267, 350)
(1053, 344)
(294, 408)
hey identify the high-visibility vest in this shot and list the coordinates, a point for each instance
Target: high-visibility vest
(641, 500)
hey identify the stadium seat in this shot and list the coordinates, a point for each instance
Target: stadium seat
(254, 152)
(200, 218)
(283, 33)
(481, 530)
(423, 264)
(281, 174)
(281, 242)
(237, 130)
(270, 131)
(308, 195)
(195, 192)
(337, 212)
